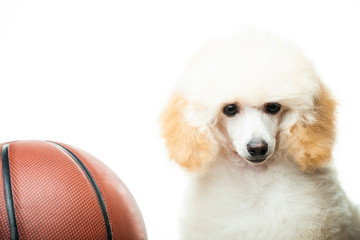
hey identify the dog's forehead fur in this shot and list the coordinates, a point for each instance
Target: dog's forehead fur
(246, 68)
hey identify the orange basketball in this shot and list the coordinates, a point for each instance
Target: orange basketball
(51, 190)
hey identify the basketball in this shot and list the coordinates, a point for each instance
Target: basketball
(50, 190)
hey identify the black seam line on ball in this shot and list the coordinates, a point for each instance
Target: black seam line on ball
(8, 193)
(95, 187)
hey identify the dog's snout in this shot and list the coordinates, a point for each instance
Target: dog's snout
(257, 148)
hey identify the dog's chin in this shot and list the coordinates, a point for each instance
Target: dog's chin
(255, 161)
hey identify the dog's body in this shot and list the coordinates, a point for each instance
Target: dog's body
(256, 126)
(278, 202)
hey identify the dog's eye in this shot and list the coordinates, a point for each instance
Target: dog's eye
(230, 110)
(272, 108)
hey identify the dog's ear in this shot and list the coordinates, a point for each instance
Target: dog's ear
(311, 143)
(192, 147)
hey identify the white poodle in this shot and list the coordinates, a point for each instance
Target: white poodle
(252, 121)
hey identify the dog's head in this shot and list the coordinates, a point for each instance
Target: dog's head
(251, 95)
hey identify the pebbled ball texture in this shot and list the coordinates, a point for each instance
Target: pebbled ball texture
(53, 197)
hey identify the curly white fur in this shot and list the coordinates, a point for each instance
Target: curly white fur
(292, 195)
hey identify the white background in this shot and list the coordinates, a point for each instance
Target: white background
(96, 74)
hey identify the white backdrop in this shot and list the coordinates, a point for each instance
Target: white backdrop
(96, 74)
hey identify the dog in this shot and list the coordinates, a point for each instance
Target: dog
(255, 126)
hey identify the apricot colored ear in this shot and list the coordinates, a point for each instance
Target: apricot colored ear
(311, 143)
(189, 146)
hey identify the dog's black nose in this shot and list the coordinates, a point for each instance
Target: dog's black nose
(257, 149)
